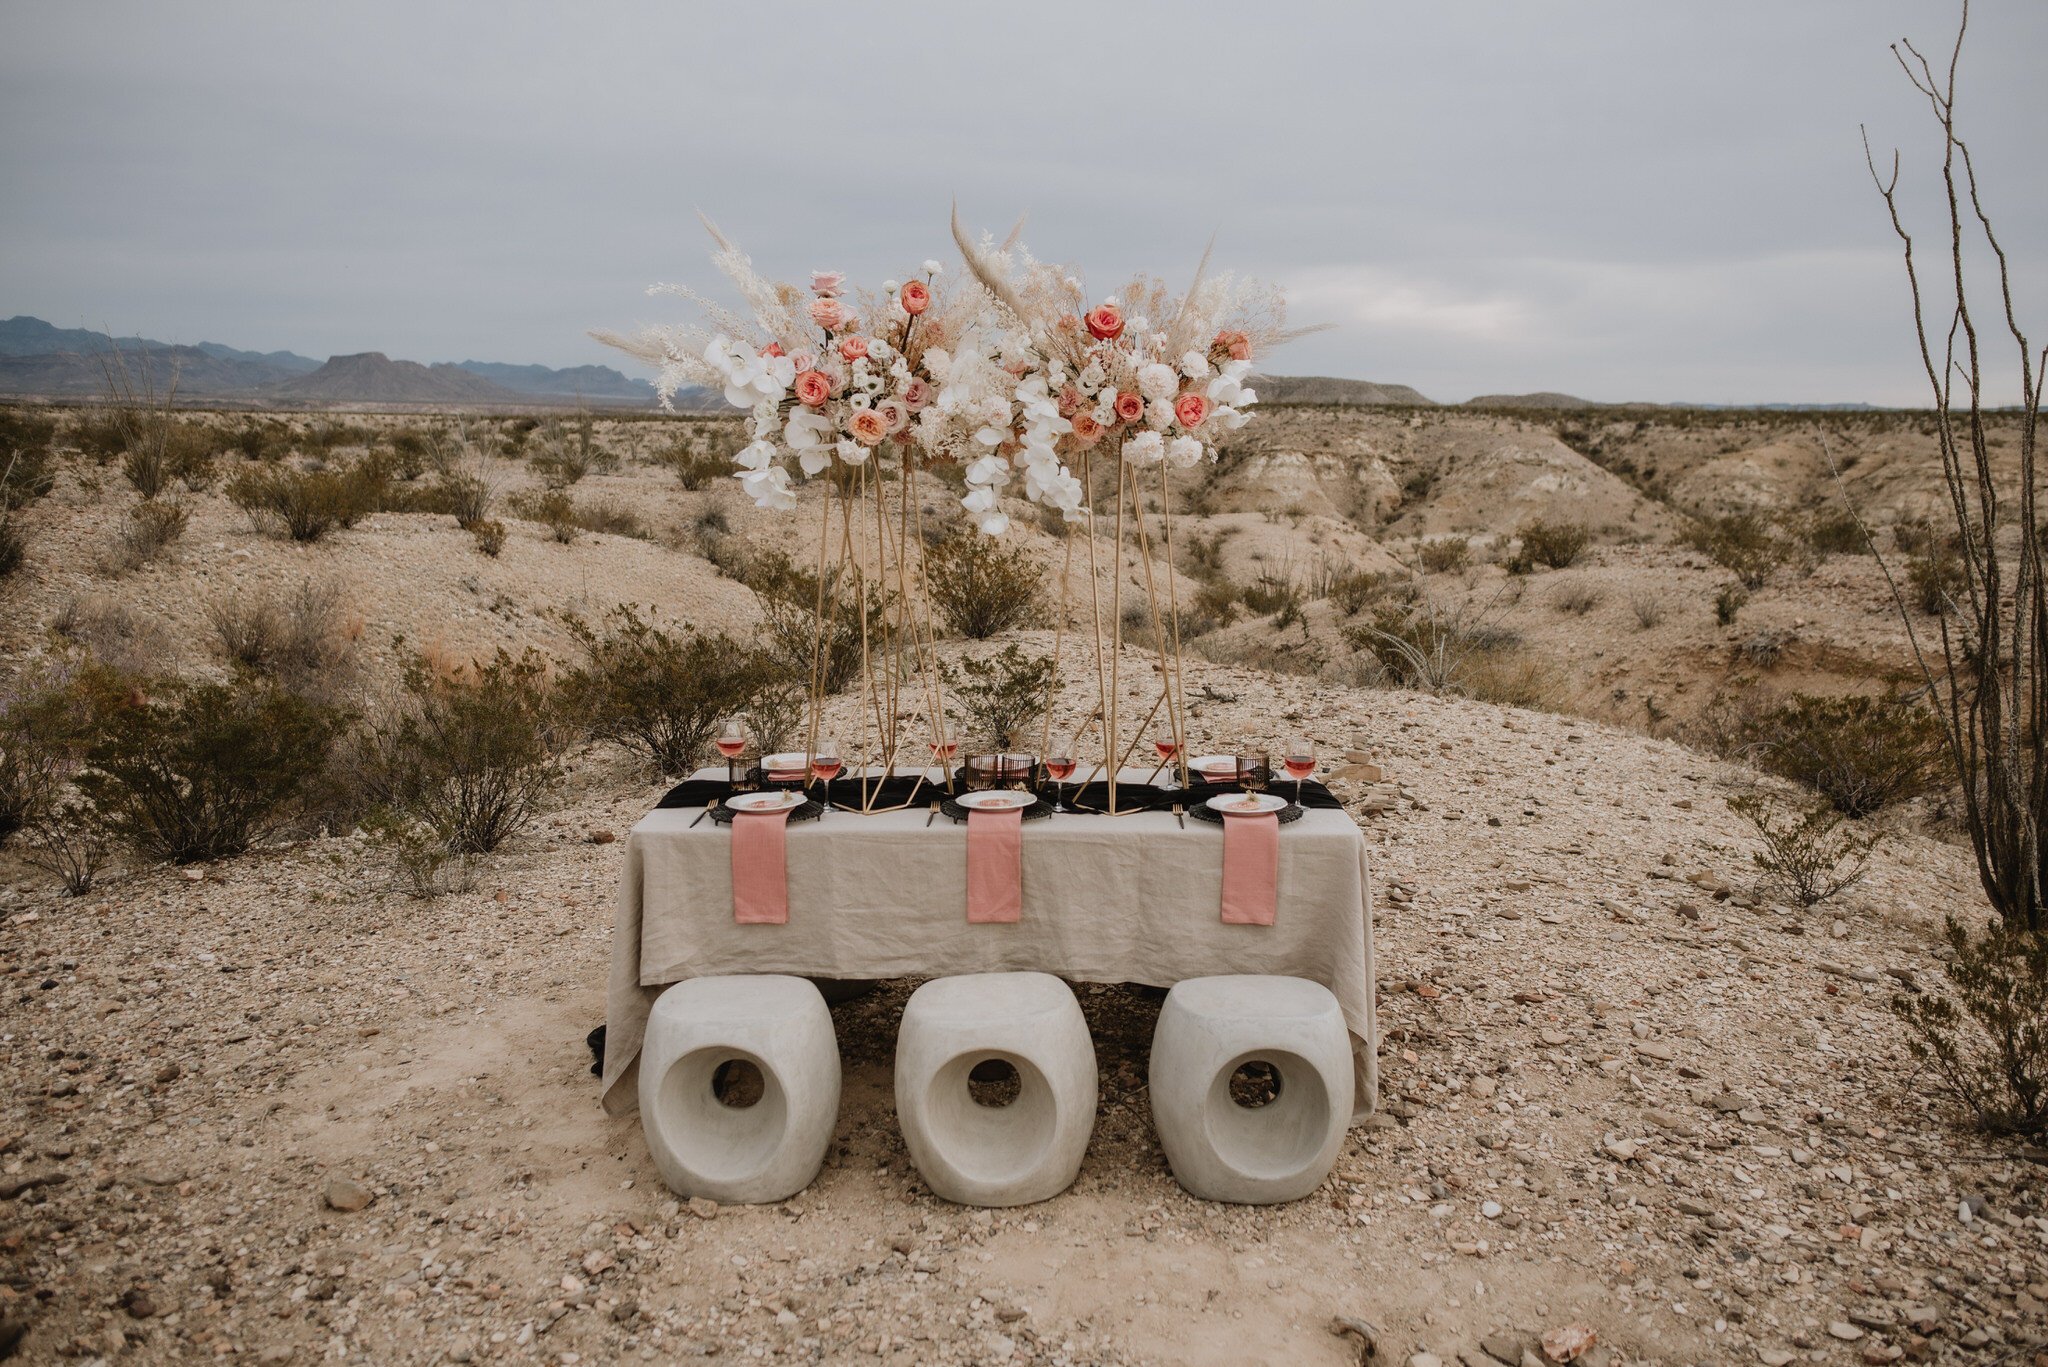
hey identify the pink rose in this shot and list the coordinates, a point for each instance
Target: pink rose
(1087, 431)
(1130, 405)
(1190, 408)
(1070, 401)
(804, 360)
(827, 313)
(896, 413)
(772, 349)
(826, 284)
(853, 348)
(1232, 344)
(917, 394)
(916, 298)
(1105, 322)
(812, 389)
(867, 427)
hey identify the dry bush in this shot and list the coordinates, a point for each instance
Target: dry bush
(112, 634)
(551, 508)
(1935, 578)
(1555, 545)
(489, 535)
(824, 650)
(1353, 591)
(1648, 607)
(774, 714)
(694, 469)
(1446, 555)
(1862, 754)
(304, 505)
(1002, 696)
(28, 469)
(13, 545)
(612, 518)
(1577, 598)
(301, 640)
(1986, 1039)
(1425, 646)
(1764, 649)
(151, 528)
(1810, 853)
(1729, 599)
(981, 587)
(1744, 543)
(1834, 531)
(661, 694)
(1272, 592)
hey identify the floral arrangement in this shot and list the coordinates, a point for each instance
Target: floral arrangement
(1015, 374)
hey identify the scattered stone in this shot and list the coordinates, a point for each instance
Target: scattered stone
(1568, 1343)
(15, 1185)
(703, 1208)
(1845, 1331)
(346, 1196)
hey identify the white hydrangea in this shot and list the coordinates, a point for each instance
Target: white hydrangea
(851, 451)
(1159, 415)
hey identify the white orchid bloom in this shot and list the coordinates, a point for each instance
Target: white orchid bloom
(995, 524)
(979, 500)
(851, 451)
(814, 459)
(769, 488)
(988, 470)
(757, 455)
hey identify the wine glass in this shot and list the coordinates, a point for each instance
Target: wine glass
(943, 750)
(1300, 757)
(1168, 746)
(1059, 768)
(1254, 770)
(825, 765)
(732, 743)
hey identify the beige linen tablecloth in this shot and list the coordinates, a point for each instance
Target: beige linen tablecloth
(1106, 899)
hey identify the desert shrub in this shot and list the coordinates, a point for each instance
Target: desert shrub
(111, 633)
(551, 508)
(424, 866)
(304, 505)
(661, 694)
(101, 434)
(1001, 695)
(203, 771)
(470, 753)
(1834, 531)
(1729, 600)
(1934, 578)
(1912, 535)
(1352, 591)
(40, 735)
(1648, 606)
(149, 530)
(28, 470)
(774, 713)
(1421, 645)
(1555, 545)
(793, 632)
(1986, 1038)
(695, 469)
(259, 440)
(1860, 753)
(1810, 852)
(1577, 598)
(611, 518)
(13, 545)
(412, 452)
(70, 840)
(1271, 593)
(489, 535)
(299, 639)
(560, 467)
(1742, 543)
(980, 586)
(1446, 555)
(1509, 678)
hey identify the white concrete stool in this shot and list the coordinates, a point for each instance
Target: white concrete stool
(1219, 1149)
(995, 1155)
(702, 1033)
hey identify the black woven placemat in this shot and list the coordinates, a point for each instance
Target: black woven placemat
(1036, 811)
(809, 811)
(1202, 811)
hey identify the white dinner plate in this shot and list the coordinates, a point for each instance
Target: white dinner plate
(1215, 768)
(765, 802)
(789, 764)
(995, 800)
(1246, 804)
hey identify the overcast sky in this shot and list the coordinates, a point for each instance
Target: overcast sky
(1619, 200)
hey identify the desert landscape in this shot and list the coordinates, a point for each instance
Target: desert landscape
(330, 1099)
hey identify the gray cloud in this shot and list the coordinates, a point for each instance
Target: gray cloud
(1620, 200)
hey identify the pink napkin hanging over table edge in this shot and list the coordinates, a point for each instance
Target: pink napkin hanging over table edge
(995, 867)
(760, 868)
(1251, 869)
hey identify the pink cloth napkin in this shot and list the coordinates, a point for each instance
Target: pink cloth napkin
(995, 866)
(760, 868)
(1251, 868)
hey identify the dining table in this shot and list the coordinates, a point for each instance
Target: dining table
(1124, 898)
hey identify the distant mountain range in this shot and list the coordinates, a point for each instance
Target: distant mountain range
(40, 359)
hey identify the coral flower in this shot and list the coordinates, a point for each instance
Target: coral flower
(1105, 322)
(896, 413)
(827, 313)
(1087, 431)
(867, 426)
(916, 298)
(917, 394)
(1231, 343)
(1070, 401)
(772, 349)
(1130, 405)
(813, 388)
(853, 348)
(1190, 408)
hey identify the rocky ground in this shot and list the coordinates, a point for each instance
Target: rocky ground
(267, 1110)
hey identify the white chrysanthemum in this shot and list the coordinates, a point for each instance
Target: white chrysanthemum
(1184, 453)
(1147, 448)
(1159, 415)
(1156, 381)
(1194, 365)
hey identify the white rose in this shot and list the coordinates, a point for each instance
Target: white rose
(1194, 365)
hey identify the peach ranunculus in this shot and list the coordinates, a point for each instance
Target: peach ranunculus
(853, 348)
(867, 426)
(1070, 401)
(825, 284)
(1230, 344)
(916, 394)
(1130, 404)
(827, 313)
(813, 388)
(1190, 408)
(1087, 431)
(1105, 322)
(915, 297)
(896, 413)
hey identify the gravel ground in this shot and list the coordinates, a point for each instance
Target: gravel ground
(269, 1110)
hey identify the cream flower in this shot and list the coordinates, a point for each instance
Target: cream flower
(1156, 381)
(1194, 365)
(1184, 453)
(1147, 448)
(769, 488)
